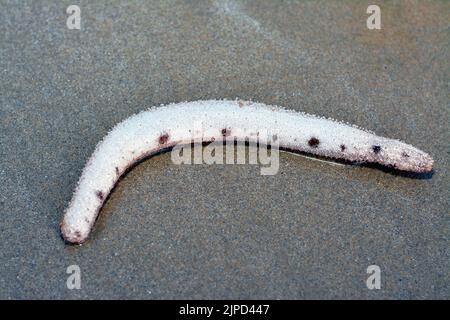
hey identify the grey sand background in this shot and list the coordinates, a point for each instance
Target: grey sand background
(172, 231)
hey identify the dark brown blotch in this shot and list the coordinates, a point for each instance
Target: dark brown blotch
(405, 155)
(117, 170)
(313, 142)
(343, 147)
(163, 138)
(376, 149)
(225, 132)
(100, 195)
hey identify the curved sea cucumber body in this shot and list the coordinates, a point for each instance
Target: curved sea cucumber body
(150, 131)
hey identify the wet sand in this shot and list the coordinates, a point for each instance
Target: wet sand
(202, 231)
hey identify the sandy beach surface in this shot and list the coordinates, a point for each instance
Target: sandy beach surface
(224, 231)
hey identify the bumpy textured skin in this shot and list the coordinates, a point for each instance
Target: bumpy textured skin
(148, 132)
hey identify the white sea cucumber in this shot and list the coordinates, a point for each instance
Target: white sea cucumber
(148, 132)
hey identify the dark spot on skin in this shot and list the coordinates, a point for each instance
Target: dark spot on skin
(405, 155)
(313, 142)
(163, 138)
(274, 137)
(117, 170)
(87, 220)
(225, 132)
(376, 149)
(78, 234)
(343, 147)
(99, 195)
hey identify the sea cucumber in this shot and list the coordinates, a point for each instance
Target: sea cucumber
(148, 132)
